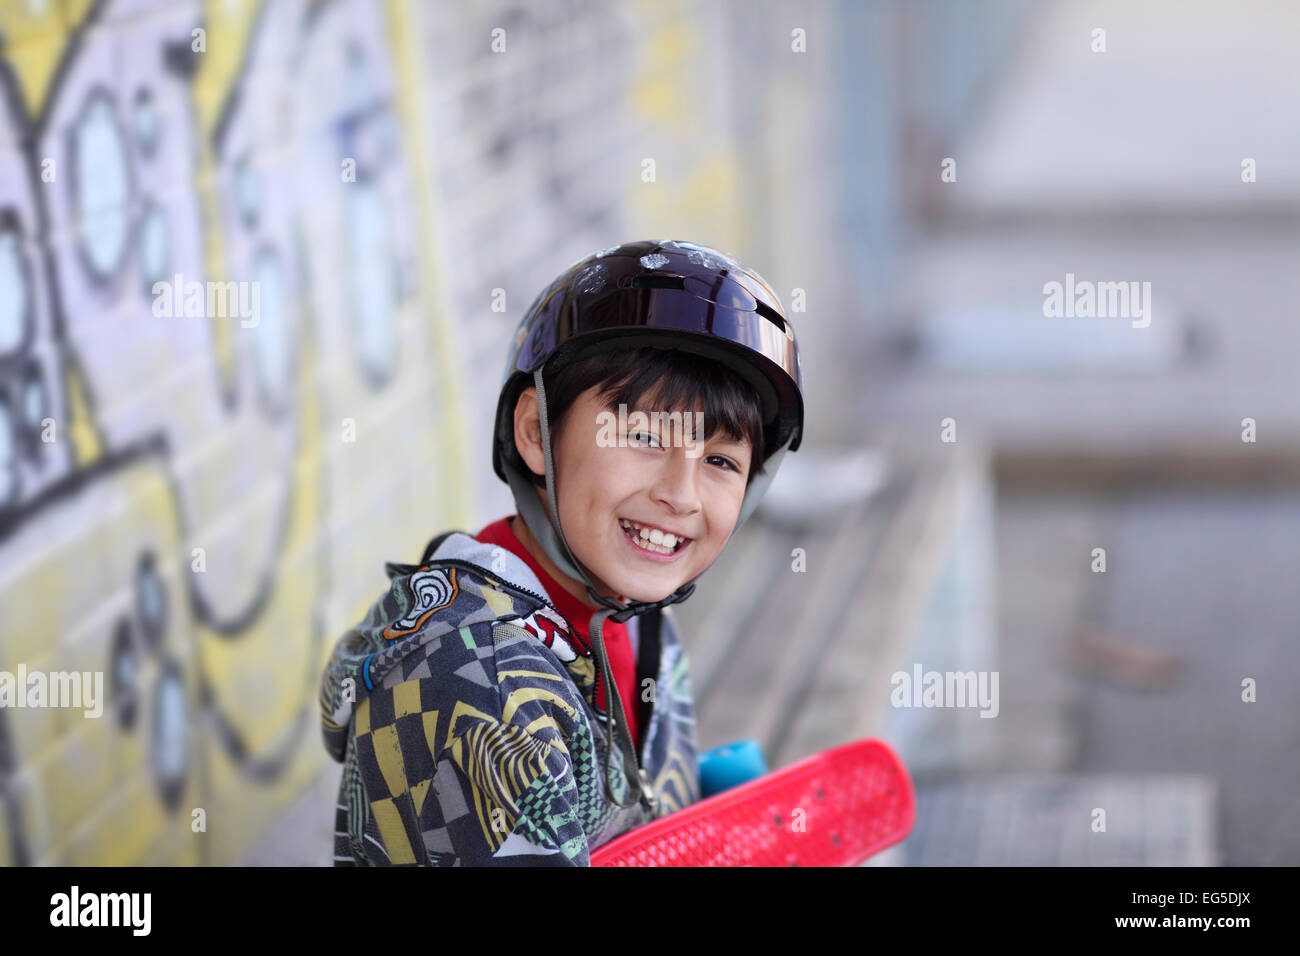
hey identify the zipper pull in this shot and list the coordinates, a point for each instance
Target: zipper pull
(648, 793)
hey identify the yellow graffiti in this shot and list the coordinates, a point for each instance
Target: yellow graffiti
(36, 36)
(227, 25)
(86, 445)
(412, 108)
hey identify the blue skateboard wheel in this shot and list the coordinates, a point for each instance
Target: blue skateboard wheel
(730, 765)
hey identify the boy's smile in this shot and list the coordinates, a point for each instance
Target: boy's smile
(663, 545)
(619, 501)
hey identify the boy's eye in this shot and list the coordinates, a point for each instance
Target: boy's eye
(646, 439)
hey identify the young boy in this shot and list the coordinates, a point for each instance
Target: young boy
(521, 696)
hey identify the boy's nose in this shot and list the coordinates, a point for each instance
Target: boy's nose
(677, 482)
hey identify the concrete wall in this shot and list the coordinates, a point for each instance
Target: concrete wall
(197, 503)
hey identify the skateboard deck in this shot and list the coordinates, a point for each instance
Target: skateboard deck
(835, 808)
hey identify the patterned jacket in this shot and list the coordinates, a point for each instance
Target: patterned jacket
(474, 738)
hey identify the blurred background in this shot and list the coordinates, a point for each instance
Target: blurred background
(1105, 514)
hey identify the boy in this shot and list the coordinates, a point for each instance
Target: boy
(521, 696)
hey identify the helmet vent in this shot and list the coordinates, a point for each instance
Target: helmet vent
(773, 316)
(657, 282)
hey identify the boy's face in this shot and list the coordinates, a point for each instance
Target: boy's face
(672, 480)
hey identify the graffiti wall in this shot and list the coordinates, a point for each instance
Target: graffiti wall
(258, 263)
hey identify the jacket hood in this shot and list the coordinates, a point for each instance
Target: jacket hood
(464, 581)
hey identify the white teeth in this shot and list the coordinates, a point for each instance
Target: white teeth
(652, 539)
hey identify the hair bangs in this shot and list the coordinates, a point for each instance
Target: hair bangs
(650, 379)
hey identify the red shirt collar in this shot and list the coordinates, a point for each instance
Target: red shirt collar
(575, 611)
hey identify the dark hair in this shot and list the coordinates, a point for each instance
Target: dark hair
(674, 380)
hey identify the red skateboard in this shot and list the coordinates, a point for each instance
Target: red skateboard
(835, 808)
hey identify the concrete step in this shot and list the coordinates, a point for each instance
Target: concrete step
(1048, 820)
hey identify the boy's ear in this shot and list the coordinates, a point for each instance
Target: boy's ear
(528, 431)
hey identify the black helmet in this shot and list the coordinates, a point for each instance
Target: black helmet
(668, 294)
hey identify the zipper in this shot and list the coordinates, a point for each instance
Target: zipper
(464, 565)
(484, 572)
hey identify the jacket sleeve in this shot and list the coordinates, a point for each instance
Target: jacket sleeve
(507, 798)
(494, 795)
(470, 765)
